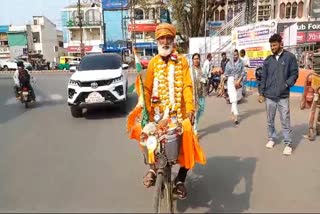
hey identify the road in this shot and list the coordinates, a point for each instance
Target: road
(51, 162)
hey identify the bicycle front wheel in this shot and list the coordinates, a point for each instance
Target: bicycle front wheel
(159, 193)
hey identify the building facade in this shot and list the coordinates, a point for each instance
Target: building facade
(19, 41)
(4, 43)
(143, 23)
(91, 30)
(45, 39)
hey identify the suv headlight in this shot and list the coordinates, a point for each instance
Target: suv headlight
(118, 79)
(74, 83)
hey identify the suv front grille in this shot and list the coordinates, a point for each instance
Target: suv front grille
(106, 94)
(99, 82)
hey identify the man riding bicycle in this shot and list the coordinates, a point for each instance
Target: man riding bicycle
(168, 82)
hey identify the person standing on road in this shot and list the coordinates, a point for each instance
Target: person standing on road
(280, 72)
(234, 72)
(199, 80)
(207, 65)
(224, 61)
(246, 64)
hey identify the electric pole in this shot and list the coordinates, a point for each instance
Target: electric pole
(81, 31)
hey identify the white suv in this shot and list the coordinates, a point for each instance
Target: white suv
(100, 80)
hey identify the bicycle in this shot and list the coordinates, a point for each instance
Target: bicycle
(166, 154)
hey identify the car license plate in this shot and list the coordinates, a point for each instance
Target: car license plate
(25, 93)
(95, 97)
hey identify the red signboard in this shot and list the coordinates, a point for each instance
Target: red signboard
(313, 36)
(142, 27)
(77, 49)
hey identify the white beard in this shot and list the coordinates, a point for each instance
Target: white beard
(163, 51)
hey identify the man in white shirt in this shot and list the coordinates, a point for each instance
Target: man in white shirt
(207, 65)
(246, 63)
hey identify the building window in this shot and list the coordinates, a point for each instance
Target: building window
(35, 22)
(288, 10)
(36, 37)
(300, 9)
(222, 15)
(230, 14)
(216, 15)
(294, 10)
(149, 36)
(139, 35)
(264, 12)
(60, 44)
(138, 14)
(282, 10)
(92, 17)
(150, 14)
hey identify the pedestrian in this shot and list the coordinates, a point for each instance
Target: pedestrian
(207, 65)
(246, 64)
(224, 61)
(280, 72)
(199, 80)
(234, 72)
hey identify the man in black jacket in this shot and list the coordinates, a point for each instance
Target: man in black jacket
(280, 72)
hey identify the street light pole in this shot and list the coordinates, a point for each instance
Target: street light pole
(205, 27)
(81, 32)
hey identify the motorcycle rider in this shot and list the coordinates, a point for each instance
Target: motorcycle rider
(22, 78)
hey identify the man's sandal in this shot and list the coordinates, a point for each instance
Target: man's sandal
(180, 190)
(149, 179)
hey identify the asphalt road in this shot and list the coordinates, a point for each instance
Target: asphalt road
(51, 162)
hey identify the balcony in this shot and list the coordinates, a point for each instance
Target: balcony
(75, 24)
(4, 49)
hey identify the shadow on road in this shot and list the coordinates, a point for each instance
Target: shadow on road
(214, 128)
(297, 134)
(111, 111)
(224, 184)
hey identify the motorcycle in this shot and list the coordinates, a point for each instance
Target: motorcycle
(25, 96)
(213, 83)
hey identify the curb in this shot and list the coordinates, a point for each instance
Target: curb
(40, 72)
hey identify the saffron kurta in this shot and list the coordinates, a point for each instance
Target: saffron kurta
(190, 152)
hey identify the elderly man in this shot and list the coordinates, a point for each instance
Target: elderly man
(168, 89)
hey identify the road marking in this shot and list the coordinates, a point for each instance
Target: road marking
(56, 97)
(51, 97)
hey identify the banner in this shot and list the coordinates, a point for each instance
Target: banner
(254, 39)
(114, 4)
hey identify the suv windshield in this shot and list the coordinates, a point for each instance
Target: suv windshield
(100, 62)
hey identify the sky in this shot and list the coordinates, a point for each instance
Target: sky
(20, 12)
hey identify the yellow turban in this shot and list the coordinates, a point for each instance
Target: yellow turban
(165, 29)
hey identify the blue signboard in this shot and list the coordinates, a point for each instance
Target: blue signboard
(4, 28)
(114, 4)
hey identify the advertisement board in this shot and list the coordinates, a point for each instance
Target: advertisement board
(254, 39)
(114, 4)
(308, 32)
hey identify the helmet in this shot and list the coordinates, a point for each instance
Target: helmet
(20, 64)
(258, 73)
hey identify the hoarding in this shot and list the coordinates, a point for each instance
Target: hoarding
(114, 4)
(308, 32)
(254, 38)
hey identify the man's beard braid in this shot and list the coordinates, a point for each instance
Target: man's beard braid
(165, 52)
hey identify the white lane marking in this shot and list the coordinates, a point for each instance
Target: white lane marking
(56, 97)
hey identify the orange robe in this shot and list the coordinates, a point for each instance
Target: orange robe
(190, 151)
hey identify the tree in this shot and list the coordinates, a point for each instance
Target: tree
(188, 15)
